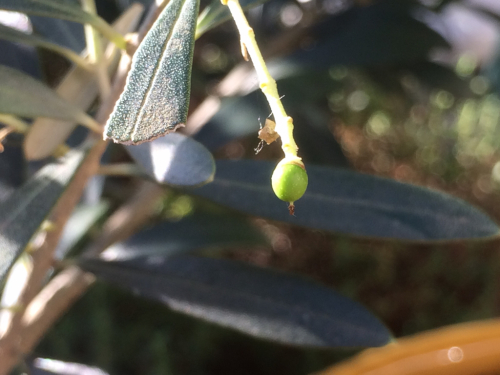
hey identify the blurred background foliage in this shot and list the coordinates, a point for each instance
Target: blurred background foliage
(402, 89)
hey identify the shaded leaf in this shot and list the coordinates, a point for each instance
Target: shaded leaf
(175, 160)
(156, 98)
(63, 9)
(68, 10)
(12, 167)
(347, 202)
(13, 35)
(236, 117)
(82, 219)
(26, 209)
(196, 232)
(256, 301)
(46, 366)
(381, 33)
(24, 96)
(17, 36)
(216, 13)
(65, 33)
(21, 57)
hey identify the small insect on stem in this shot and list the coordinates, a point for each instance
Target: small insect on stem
(267, 134)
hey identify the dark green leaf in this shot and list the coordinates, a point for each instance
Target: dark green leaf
(26, 209)
(12, 167)
(236, 117)
(64, 33)
(385, 32)
(16, 36)
(156, 98)
(82, 219)
(175, 160)
(194, 233)
(352, 203)
(216, 13)
(64, 9)
(259, 302)
(24, 96)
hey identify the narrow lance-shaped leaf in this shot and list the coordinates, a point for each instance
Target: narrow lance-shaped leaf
(156, 98)
(175, 160)
(64, 9)
(16, 36)
(256, 301)
(197, 232)
(347, 202)
(81, 220)
(25, 96)
(26, 209)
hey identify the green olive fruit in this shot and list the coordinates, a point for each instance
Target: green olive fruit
(289, 180)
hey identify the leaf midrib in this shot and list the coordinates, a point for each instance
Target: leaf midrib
(155, 71)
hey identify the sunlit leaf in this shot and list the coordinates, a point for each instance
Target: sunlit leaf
(196, 232)
(26, 209)
(47, 366)
(175, 160)
(256, 301)
(347, 202)
(24, 96)
(156, 98)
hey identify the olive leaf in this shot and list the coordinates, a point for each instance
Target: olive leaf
(199, 232)
(66, 10)
(26, 209)
(16, 36)
(352, 203)
(156, 98)
(175, 160)
(260, 302)
(25, 96)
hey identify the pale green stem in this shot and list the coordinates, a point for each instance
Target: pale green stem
(284, 123)
(120, 169)
(14, 122)
(90, 123)
(95, 50)
(107, 30)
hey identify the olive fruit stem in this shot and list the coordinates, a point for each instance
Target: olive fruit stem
(284, 123)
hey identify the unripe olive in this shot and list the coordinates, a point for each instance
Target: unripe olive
(289, 180)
